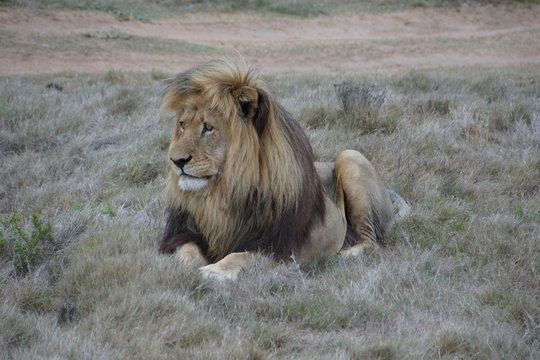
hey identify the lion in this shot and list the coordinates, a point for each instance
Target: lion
(242, 180)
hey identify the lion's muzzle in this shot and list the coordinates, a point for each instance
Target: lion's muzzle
(180, 163)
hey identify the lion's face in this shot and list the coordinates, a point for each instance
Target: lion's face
(198, 148)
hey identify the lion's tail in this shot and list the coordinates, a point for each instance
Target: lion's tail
(401, 208)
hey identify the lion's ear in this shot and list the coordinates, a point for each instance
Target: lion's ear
(247, 100)
(263, 112)
(254, 107)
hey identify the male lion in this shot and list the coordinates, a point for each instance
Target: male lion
(242, 179)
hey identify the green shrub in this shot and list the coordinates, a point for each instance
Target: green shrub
(25, 250)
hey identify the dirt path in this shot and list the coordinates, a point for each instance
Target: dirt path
(34, 41)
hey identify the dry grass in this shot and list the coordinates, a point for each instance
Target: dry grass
(146, 10)
(458, 280)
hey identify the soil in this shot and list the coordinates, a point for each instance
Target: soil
(365, 42)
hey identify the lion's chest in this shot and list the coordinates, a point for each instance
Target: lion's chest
(218, 226)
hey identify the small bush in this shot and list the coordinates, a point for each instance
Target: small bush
(362, 108)
(25, 250)
(353, 96)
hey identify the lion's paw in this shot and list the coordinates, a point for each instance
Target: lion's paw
(214, 272)
(357, 250)
(190, 255)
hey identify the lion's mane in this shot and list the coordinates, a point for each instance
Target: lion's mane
(268, 196)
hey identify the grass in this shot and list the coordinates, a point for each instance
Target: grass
(458, 278)
(146, 10)
(96, 42)
(149, 44)
(102, 43)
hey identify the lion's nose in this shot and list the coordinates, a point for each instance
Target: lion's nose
(181, 162)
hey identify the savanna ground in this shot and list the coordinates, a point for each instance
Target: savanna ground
(445, 101)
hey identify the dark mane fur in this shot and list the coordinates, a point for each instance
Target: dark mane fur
(179, 230)
(292, 227)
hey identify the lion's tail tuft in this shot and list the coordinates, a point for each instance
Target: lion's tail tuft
(400, 206)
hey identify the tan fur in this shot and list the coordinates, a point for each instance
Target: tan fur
(363, 197)
(190, 255)
(327, 238)
(227, 268)
(238, 157)
(356, 250)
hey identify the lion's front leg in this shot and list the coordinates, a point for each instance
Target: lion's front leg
(227, 268)
(190, 254)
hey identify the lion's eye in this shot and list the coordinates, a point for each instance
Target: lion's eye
(182, 125)
(207, 128)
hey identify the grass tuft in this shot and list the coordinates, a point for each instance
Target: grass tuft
(138, 172)
(460, 343)
(492, 88)
(439, 107)
(381, 351)
(270, 337)
(417, 82)
(125, 101)
(17, 330)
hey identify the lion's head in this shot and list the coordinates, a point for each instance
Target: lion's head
(240, 167)
(199, 145)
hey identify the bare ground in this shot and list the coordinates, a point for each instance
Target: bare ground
(43, 41)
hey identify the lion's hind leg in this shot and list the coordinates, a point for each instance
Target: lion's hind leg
(363, 198)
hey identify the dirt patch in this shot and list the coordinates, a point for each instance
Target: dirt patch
(487, 35)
